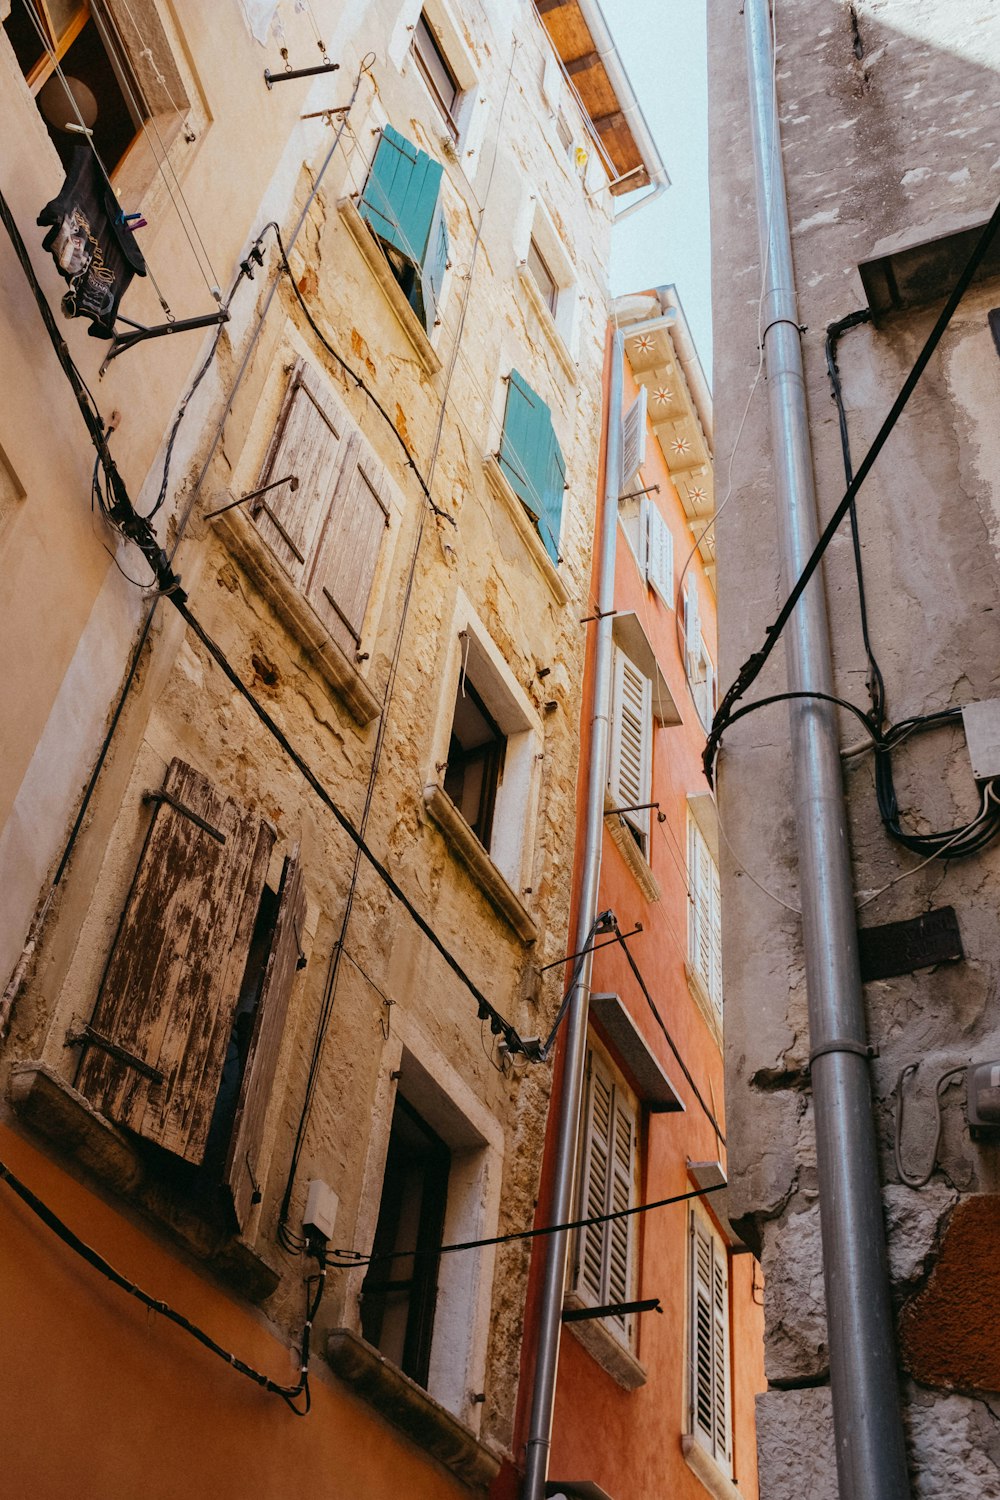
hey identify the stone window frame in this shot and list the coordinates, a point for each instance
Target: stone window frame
(461, 136)
(561, 324)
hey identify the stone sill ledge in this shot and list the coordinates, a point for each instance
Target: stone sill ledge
(606, 1348)
(476, 860)
(407, 319)
(410, 1409)
(714, 1478)
(297, 615)
(53, 1109)
(548, 322)
(525, 528)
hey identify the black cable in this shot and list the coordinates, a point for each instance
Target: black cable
(670, 1041)
(754, 664)
(344, 1260)
(602, 923)
(288, 1393)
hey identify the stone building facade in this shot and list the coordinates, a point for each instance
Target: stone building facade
(888, 118)
(286, 828)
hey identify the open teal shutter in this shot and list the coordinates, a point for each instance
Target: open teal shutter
(401, 195)
(532, 460)
(435, 265)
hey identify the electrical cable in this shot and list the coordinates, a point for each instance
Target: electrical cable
(345, 1260)
(754, 665)
(288, 1393)
(662, 1025)
(897, 1140)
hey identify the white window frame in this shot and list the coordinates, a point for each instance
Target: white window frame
(607, 1180)
(709, 1415)
(704, 916)
(630, 775)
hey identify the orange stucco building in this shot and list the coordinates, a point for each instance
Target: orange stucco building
(657, 1401)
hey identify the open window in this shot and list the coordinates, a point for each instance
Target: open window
(401, 204)
(183, 1044)
(475, 761)
(531, 460)
(549, 276)
(437, 72)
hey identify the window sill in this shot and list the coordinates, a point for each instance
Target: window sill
(526, 529)
(380, 269)
(51, 1107)
(295, 612)
(703, 1000)
(409, 1408)
(548, 322)
(609, 1352)
(712, 1476)
(476, 860)
(631, 853)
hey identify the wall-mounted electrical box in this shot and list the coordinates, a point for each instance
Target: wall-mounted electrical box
(984, 1099)
(320, 1215)
(982, 733)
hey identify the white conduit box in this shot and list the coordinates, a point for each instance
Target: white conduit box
(321, 1209)
(982, 734)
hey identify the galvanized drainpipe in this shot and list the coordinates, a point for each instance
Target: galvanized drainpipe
(575, 1039)
(871, 1457)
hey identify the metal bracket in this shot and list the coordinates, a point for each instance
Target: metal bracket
(866, 1050)
(613, 812)
(272, 78)
(611, 1310)
(651, 489)
(125, 341)
(185, 812)
(88, 1037)
(292, 480)
(558, 962)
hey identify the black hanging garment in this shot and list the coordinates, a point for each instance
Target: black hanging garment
(91, 246)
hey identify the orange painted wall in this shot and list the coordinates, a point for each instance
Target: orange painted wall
(630, 1442)
(104, 1400)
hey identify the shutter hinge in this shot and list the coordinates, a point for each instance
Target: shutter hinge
(185, 812)
(88, 1037)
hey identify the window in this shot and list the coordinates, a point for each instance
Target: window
(399, 1297)
(704, 916)
(401, 203)
(699, 668)
(630, 760)
(475, 761)
(604, 1273)
(652, 544)
(531, 460)
(325, 518)
(436, 72)
(633, 440)
(709, 1341)
(546, 282)
(80, 41)
(184, 1041)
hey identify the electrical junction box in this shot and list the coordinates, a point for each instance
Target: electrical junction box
(320, 1215)
(984, 1099)
(982, 734)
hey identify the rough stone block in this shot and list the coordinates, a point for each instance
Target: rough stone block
(794, 1309)
(795, 1445)
(954, 1447)
(912, 1216)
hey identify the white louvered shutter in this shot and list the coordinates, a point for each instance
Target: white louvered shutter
(633, 439)
(710, 1413)
(660, 556)
(715, 939)
(631, 741)
(700, 884)
(595, 1178)
(605, 1251)
(619, 1231)
(692, 625)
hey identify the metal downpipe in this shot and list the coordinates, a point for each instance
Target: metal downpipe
(575, 1040)
(868, 1432)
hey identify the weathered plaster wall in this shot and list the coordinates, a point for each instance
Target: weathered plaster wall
(888, 117)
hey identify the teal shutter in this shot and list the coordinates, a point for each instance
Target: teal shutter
(434, 268)
(401, 195)
(532, 460)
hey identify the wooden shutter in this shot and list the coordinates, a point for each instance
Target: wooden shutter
(633, 439)
(401, 195)
(170, 987)
(704, 926)
(631, 740)
(532, 460)
(709, 1342)
(660, 556)
(692, 625)
(340, 577)
(604, 1251)
(715, 937)
(308, 445)
(243, 1168)
(434, 267)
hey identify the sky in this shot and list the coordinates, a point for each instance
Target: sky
(662, 44)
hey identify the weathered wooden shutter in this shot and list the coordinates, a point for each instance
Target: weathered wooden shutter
(630, 762)
(401, 195)
(243, 1167)
(341, 575)
(532, 460)
(633, 439)
(660, 556)
(308, 446)
(604, 1251)
(709, 1342)
(170, 987)
(434, 267)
